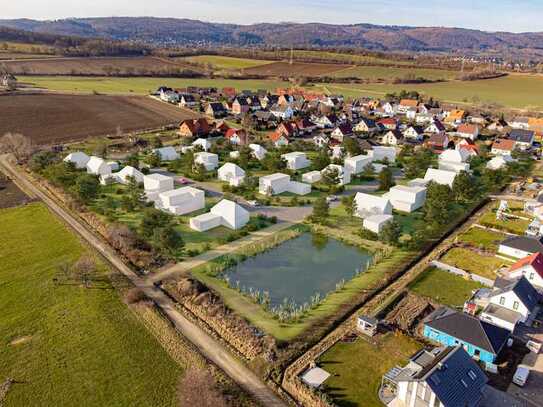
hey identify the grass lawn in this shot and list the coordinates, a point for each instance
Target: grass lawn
(357, 368)
(445, 288)
(222, 62)
(516, 226)
(81, 346)
(379, 72)
(140, 86)
(472, 262)
(482, 238)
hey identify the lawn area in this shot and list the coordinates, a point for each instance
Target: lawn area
(77, 346)
(472, 262)
(140, 86)
(357, 368)
(516, 226)
(387, 73)
(222, 62)
(482, 238)
(517, 91)
(445, 288)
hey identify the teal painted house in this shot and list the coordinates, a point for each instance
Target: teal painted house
(481, 340)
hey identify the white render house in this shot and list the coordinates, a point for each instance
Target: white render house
(231, 173)
(441, 177)
(499, 162)
(355, 165)
(379, 153)
(376, 223)
(78, 158)
(369, 205)
(202, 142)
(278, 183)
(343, 172)
(166, 153)
(311, 177)
(209, 160)
(406, 199)
(98, 166)
(296, 160)
(127, 172)
(259, 152)
(226, 213)
(154, 184)
(454, 160)
(181, 201)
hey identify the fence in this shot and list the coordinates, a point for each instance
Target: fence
(462, 273)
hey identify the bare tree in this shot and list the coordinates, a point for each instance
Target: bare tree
(18, 145)
(197, 388)
(84, 269)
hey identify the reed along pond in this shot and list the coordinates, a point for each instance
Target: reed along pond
(299, 268)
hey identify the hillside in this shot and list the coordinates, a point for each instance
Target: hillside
(169, 31)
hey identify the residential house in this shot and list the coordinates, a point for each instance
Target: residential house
(127, 173)
(258, 151)
(520, 123)
(296, 160)
(226, 213)
(442, 377)
(503, 147)
(406, 104)
(356, 165)
(520, 247)
(342, 172)
(311, 177)
(154, 184)
(392, 138)
(169, 96)
(531, 268)
(283, 112)
(469, 131)
(524, 139)
(232, 174)
(238, 137)
(326, 122)
(278, 183)
(287, 129)
(436, 127)
(388, 123)
(414, 133)
(382, 153)
(240, 106)
(342, 131)
(454, 160)
(265, 119)
(389, 109)
(98, 166)
(194, 128)
(406, 199)
(209, 160)
(499, 162)
(321, 140)
(78, 159)
(513, 304)
(278, 139)
(455, 117)
(366, 126)
(438, 142)
(481, 340)
(216, 110)
(187, 100)
(305, 126)
(376, 223)
(441, 177)
(497, 126)
(369, 205)
(181, 201)
(229, 92)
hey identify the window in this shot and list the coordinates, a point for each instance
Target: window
(531, 276)
(464, 383)
(502, 300)
(472, 375)
(515, 305)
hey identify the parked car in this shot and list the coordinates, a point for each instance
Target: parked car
(254, 204)
(331, 198)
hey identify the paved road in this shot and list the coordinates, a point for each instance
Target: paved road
(210, 348)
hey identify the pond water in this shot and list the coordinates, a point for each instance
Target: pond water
(299, 268)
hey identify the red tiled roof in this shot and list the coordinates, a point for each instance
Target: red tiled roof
(504, 144)
(535, 260)
(467, 129)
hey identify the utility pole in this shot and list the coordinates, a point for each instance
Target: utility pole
(291, 55)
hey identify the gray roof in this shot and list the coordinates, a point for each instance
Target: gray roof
(523, 290)
(523, 136)
(468, 329)
(524, 243)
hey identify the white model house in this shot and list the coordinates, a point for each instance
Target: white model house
(202, 142)
(98, 166)
(343, 173)
(376, 223)
(232, 173)
(276, 184)
(296, 160)
(499, 162)
(259, 152)
(311, 177)
(209, 160)
(181, 201)
(78, 158)
(440, 176)
(454, 160)
(124, 175)
(225, 213)
(369, 205)
(379, 153)
(166, 153)
(154, 184)
(406, 199)
(356, 164)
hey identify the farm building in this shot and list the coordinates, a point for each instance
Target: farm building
(98, 166)
(225, 213)
(296, 160)
(166, 153)
(376, 223)
(311, 177)
(259, 152)
(343, 173)
(181, 201)
(209, 160)
(355, 165)
(379, 153)
(124, 175)
(406, 199)
(441, 177)
(232, 174)
(369, 205)
(481, 340)
(454, 160)
(79, 159)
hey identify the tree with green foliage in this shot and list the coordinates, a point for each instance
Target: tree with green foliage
(352, 147)
(152, 220)
(386, 180)
(153, 159)
(465, 188)
(349, 203)
(133, 161)
(86, 187)
(331, 177)
(321, 210)
(368, 171)
(391, 232)
(156, 142)
(416, 165)
(438, 206)
(321, 161)
(273, 161)
(40, 161)
(167, 240)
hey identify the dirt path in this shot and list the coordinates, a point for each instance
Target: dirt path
(210, 348)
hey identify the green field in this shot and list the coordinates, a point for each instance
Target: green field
(357, 368)
(516, 226)
(380, 72)
(140, 86)
(63, 344)
(515, 91)
(221, 62)
(472, 262)
(445, 288)
(482, 238)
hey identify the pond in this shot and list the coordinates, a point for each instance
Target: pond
(300, 268)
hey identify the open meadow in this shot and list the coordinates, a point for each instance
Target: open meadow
(62, 343)
(222, 62)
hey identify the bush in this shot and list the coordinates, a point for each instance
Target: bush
(134, 296)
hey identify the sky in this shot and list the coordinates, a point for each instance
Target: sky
(489, 15)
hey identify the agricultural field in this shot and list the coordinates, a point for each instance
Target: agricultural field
(473, 262)
(357, 368)
(93, 66)
(65, 344)
(296, 69)
(482, 238)
(388, 73)
(444, 288)
(222, 62)
(25, 50)
(140, 86)
(51, 118)
(513, 91)
(10, 195)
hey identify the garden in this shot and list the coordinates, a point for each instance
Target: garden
(476, 263)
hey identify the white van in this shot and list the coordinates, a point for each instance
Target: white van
(521, 376)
